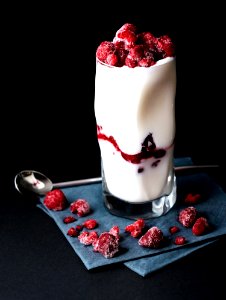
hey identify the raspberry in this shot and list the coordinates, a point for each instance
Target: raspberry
(104, 49)
(55, 200)
(152, 238)
(132, 49)
(79, 227)
(188, 216)
(200, 226)
(173, 229)
(72, 232)
(165, 45)
(107, 245)
(135, 228)
(180, 240)
(192, 198)
(80, 206)
(90, 224)
(87, 238)
(115, 231)
(69, 219)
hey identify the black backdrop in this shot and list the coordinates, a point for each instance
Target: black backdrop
(48, 112)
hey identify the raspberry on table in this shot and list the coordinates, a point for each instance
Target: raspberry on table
(135, 228)
(87, 238)
(174, 229)
(187, 216)
(107, 244)
(90, 224)
(192, 198)
(200, 226)
(69, 219)
(180, 240)
(55, 200)
(152, 238)
(72, 232)
(81, 207)
(115, 231)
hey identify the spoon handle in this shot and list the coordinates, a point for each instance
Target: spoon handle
(99, 179)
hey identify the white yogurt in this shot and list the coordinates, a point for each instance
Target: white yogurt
(131, 103)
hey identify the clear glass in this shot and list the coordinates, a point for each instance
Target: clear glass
(135, 116)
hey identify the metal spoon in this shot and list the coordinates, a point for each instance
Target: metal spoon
(33, 182)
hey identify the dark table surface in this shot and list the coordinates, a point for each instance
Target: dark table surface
(49, 126)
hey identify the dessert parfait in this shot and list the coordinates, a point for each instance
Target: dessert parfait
(135, 87)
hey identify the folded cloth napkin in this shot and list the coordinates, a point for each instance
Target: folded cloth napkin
(142, 260)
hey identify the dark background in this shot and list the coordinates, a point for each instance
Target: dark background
(47, 124)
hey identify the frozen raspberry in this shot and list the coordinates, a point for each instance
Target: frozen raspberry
(130, 62)
(188, 216)
(173, 229)
(107, 244)
(135, 228)
(127, 35)
(200, 226)
(152, 238)
(69, 219)
(192, 198)
(81, 207)
(115, 231)
(90, 224)
(104, 49)
(112, 59)
(72, 232)
(180, 240)
(55, 200)
(148, 39)
(87, 238)
(166, 46)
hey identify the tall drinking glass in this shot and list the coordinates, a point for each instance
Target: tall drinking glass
(135, 117)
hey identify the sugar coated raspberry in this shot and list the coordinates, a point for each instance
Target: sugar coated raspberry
(192, 198)
(90, 224)
(134, 49)
(81, 207)
(87, 238)
(69, 219)
(135, 228)
(115, 231)
(188, 216)
(173, 229)
(152, 238)
(55, 200)
(107, 245)
(200, 226)
(180, 240)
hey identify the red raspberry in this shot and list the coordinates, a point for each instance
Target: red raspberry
(147, 38)
(90, 224)
(104, 49)
(135, 228)
(126, 34)
(130, 62)
(79, 227)
(173, 229)
(200, 226)
(192, 198)
(180, 240)
(80, 206)
(152, 238)
(87, 238)
(107, 244)
(112, 59)
(72, 232)
(137, 52)
(115, 231)
(55, 200)
(69, 219)
(188, 216)
(166, 46)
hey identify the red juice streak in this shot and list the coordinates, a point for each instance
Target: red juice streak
(148, 148)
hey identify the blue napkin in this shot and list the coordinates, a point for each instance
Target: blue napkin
(141, 260)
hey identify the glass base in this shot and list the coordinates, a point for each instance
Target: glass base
(147, 210)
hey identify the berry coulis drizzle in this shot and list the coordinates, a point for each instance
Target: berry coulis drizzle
(148, 148)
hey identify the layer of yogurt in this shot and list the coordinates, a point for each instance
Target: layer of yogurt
(135, 116)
